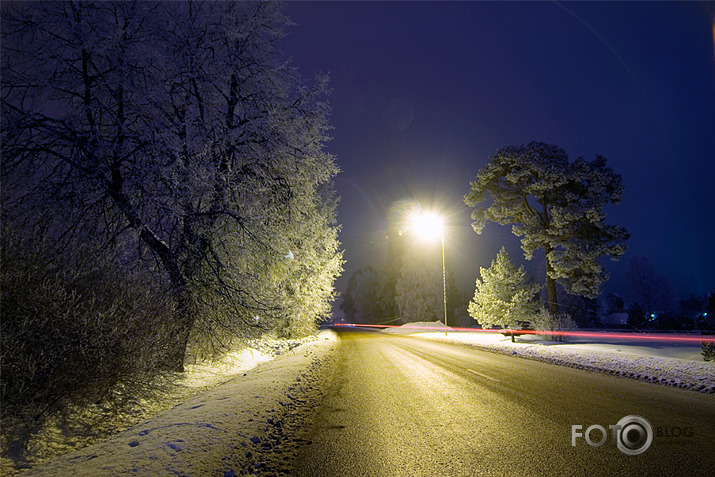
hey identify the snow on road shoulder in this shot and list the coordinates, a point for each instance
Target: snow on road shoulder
(634, 360)
(250, 423)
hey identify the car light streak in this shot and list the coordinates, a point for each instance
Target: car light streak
(581, 334)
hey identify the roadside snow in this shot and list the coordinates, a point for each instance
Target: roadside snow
(678, 365)
(251, 423)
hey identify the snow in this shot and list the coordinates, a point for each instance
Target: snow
(408, 328)
(673, 364)
(230, 430)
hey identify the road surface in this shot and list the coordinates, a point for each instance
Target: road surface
(402, 406)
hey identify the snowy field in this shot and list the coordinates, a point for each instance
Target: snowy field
(670, 363)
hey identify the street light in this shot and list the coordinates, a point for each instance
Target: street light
(428, 226)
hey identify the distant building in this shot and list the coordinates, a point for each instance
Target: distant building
(614, 303)
(615, 310)
(615, 319)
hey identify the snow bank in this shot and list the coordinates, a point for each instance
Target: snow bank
(409, 328)
(250, 423)
(636, 360)
(257, 351)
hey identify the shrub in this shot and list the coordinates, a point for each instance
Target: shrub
(75, 330)
(550, 323)
(707, 350)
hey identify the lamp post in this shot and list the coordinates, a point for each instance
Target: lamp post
(427, 225)
(444, 283)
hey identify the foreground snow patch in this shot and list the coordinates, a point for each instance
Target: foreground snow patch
(638, 364)
(257, 351)
(241, 426)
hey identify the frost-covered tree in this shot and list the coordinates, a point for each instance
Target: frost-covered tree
(392, 269)
(360, 301)
(367, 292)
(347, 304)
(370, 296)
(176, 134)
(418, 291)
(504, 295)
(555, 205)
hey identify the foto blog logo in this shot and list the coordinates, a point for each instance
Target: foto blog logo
(632, 435)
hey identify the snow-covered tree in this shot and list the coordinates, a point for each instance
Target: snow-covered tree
(370, 296)
(504, 295)
(360, 301)
(392, 269)
(553, 324)
(367, 292)
(555, 205)
(175, 133)
(419, 290)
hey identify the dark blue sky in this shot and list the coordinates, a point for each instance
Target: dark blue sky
(425, 92)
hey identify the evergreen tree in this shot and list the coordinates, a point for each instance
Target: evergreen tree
(504, 295)
(556, 206)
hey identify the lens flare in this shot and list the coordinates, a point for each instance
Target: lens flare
(427, 225)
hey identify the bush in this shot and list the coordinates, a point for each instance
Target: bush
(75, 331)
(550, 323)
(707, 350)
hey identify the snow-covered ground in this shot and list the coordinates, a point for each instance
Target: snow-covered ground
(670, 363)
(233, 428)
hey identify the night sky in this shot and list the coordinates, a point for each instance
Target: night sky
(425, 92)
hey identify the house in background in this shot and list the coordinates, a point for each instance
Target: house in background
(616, 314)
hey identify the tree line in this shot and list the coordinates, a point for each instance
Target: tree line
(408, 286)
(165, 190)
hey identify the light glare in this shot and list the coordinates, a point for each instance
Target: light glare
(427, 225)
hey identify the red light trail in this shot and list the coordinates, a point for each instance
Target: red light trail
(581, 334)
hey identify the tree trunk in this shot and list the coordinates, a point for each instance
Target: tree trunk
(184, 319)
(551, 298)
(176, 356)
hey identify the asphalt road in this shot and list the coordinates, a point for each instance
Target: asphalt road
(404, 406)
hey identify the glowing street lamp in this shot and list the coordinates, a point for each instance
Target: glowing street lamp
(429, 226)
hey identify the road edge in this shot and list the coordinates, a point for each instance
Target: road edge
(655, 370)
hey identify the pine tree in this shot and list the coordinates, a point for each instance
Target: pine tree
(504, 295)
(555, 206)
